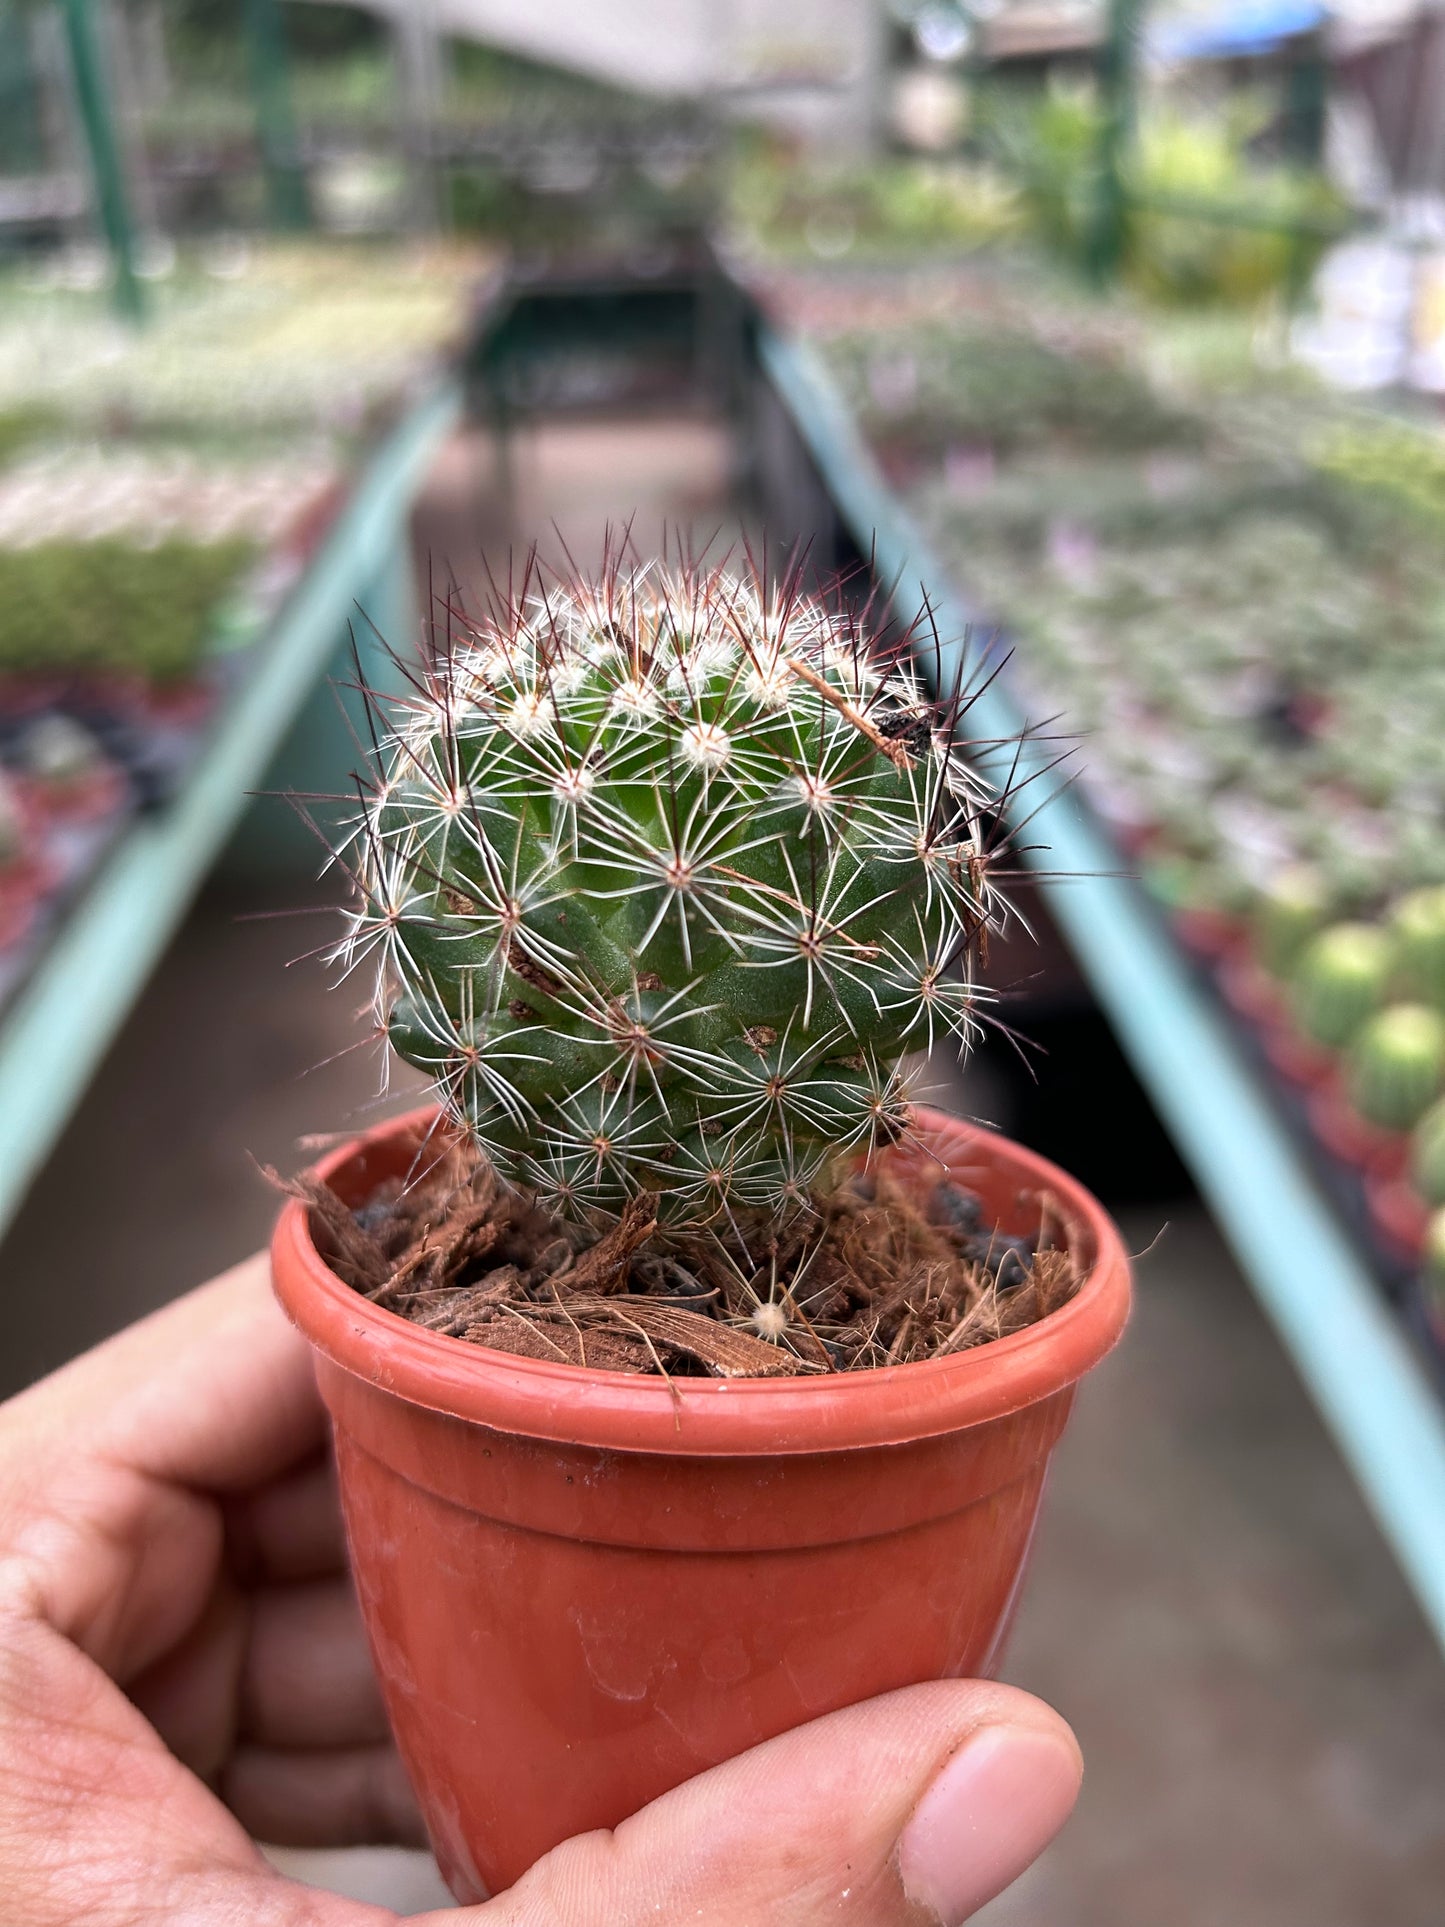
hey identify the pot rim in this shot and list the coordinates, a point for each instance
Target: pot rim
(718, 1417)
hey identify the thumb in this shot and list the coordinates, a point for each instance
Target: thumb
(912, 1809)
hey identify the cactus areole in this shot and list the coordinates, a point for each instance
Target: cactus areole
(660, 880)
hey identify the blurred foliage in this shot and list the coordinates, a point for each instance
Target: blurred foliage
(1048, 142)
(1398, 462)
(341, 72)
(1188, 260)
(22, 425)
(345, 84)
(786, 206)
(971, 381)
(485, 84)
(108, 606)
(1205, 223)
(606, 205)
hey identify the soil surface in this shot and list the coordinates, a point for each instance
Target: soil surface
(866, 1278)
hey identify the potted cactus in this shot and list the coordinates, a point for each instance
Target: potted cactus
(1286, 915)
(1392, 1072)
(661, 1418)
(1395, 1066)
(1427, 1156)
(1418, 924)
(1283, 918)
(1401, 1205)
(1341, 977)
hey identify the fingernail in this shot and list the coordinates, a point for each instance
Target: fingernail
(990, 1812)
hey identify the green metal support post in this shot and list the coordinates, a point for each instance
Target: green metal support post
(88, 70)
(1118, 66)
(276, 117)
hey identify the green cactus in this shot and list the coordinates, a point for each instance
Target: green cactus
(661, 878)
(1418, 923)
(1432, 1262)
(1286, 915)
(1427, 1155)
(1396, 1064)
(1341, 977)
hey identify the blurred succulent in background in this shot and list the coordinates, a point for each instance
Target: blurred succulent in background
(1427, 1155)
(1432, 1270)
(1286, 915)
(1396, 1064)
(1418, 925)
(1342, 976)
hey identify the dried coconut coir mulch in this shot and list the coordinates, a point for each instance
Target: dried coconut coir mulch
(864, 1280)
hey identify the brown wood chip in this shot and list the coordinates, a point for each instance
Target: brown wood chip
(868, 1278)
(722, 1348)
(603, 1267)
(342, 1238)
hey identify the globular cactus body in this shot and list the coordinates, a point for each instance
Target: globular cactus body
(1342, 975)
(1427, 1155)
(663, 877)
(1418, 923)
(1396, 1064)
(1432, 1269)
(1287, 915)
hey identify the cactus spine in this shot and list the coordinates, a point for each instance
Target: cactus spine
(660, 878)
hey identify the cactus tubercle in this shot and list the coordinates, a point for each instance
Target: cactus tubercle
(660, 879)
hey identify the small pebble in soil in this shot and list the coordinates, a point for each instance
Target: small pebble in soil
(956, 1208)
(1007, 1260)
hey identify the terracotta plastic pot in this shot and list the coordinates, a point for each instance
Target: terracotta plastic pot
(23, 890)
(88, 799)
(1353, 1139)
(1302, 1063)
(1210, 935)
(1399, 1217)
(582, 1588)
(1251, 993)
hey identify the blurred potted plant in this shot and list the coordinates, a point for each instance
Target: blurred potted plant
(1340, 977)
(654, 1350)
(1401, 1206)
(1392, 1074)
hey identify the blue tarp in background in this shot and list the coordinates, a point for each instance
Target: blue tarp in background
(1238, 28)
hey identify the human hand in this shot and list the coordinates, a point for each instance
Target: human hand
(182, 1666)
